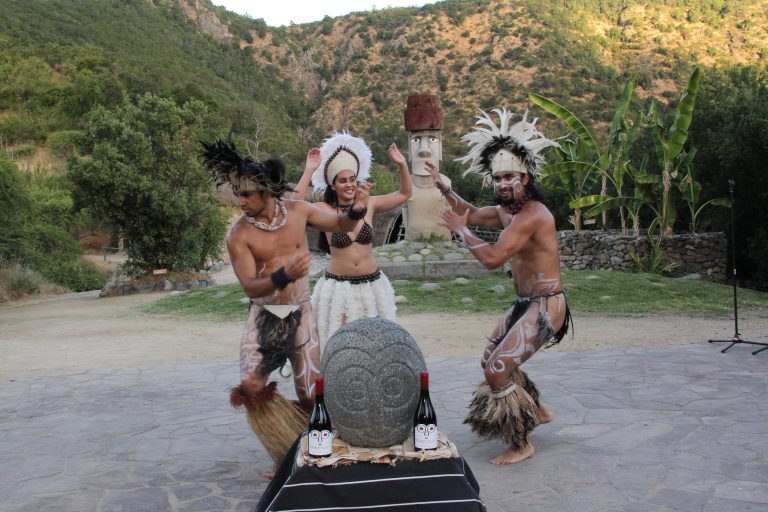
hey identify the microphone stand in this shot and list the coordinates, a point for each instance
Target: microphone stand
(736, 338)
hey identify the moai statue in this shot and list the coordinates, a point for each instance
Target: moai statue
(424, 122)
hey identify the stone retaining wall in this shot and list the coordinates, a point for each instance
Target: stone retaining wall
(704, 254)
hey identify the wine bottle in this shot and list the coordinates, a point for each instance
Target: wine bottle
(320, 429)
(425, 419)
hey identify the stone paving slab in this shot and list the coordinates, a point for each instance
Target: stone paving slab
(642, 429)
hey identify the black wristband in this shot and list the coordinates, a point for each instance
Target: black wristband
(280, 279)
(352, 214)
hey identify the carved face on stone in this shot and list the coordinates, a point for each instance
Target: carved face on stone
(425, 146)
(371, 368)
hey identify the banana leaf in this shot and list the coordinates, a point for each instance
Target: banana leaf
(678, 133)
(565, 116)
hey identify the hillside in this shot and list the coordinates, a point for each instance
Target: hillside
(297, 84)
(358, 69)
(280, 91)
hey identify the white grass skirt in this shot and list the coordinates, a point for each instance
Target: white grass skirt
(335, 303)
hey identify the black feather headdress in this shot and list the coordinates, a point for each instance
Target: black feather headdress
(243, 174)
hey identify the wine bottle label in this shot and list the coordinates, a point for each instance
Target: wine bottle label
(320, 442)
(425, 436)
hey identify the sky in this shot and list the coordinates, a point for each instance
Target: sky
(282, 12)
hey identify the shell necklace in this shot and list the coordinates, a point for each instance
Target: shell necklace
(272, 226)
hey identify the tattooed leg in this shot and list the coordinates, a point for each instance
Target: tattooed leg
(519, 344)
(250, 357)
(306, 360)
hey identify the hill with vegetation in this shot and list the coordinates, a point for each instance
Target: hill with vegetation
(281, 90)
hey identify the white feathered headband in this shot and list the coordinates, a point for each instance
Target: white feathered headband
(504, 148)
(342, 152)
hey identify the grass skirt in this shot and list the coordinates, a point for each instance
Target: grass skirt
(276, 420)
(335, 303)
(508, 414)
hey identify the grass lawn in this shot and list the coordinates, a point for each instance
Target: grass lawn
(589, 292)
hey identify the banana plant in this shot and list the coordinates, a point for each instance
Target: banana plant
(669, 146)
(583, 163)
(621, 138)
(653, 263)
(690, 190)
(576, 173)
(644, 197)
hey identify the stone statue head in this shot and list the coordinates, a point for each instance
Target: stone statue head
(424, 121)
(371, 369)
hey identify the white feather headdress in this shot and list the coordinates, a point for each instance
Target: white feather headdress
(341, 152)
(521, 139)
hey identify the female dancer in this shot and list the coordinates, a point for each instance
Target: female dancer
(353, 286)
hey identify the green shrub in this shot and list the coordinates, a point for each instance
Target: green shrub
(62, 142)
(17, 281)
(78, 276)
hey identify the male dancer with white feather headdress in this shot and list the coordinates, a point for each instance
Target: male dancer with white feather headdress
(506, 406)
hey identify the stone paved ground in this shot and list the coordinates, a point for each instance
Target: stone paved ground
(640, 429)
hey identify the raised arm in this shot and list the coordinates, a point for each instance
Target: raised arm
(254, 284)
(486, 216)
(312, 163)
(510, 241)
(393, 200)
(341, 222)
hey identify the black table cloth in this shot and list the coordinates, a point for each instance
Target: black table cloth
(408, 486)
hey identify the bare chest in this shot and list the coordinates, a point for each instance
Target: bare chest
(267, 246)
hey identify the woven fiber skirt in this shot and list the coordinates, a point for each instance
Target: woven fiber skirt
(337, 300)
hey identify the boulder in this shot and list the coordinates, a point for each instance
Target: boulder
(371, 369)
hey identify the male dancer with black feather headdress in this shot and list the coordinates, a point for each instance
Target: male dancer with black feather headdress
(506, 406)
(268, 250)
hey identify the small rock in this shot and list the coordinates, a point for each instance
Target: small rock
(461, 280)
(430, 287)
(467, 300)
(401, 299)
(499, 288)
(219, 295)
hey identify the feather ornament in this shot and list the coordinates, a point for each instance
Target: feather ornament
(228, 167)
(487, 138)
(330, 150)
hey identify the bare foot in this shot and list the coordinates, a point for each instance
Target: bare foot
(546, 414)
(511, 456)
(269, 475)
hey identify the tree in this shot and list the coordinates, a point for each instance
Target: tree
(669, 146)
(139, 169)
(731, 134)
(33, 231)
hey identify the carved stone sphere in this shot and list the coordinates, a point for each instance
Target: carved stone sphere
(371, 369)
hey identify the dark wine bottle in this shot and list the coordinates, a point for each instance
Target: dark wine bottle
(320, 430)
(425, 419)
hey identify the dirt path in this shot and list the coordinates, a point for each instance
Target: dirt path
(79, 332)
